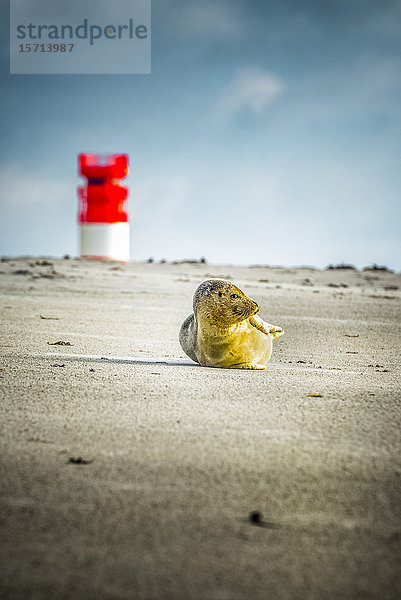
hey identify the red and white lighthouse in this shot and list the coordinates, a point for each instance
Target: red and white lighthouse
(102, 214)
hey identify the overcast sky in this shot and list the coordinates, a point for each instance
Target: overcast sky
(268, 132)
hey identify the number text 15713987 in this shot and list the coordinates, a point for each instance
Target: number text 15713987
(45, 47)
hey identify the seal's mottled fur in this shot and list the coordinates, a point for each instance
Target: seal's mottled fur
(224, 331)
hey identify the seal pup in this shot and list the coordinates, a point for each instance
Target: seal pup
(224, 331)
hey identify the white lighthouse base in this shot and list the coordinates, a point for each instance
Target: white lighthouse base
(108, 241)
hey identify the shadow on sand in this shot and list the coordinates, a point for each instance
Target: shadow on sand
(129, 360)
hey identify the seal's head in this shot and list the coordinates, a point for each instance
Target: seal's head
(221, 303)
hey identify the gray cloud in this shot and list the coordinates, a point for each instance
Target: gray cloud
(251, 89)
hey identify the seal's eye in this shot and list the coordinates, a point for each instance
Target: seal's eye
(233, 296)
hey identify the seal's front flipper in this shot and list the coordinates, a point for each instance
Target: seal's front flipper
(266, 328)
(259, 324)
(275, 332)
(248, 366)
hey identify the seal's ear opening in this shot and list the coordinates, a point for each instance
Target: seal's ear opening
(275, 332)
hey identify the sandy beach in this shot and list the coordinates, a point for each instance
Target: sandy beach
(128, 471)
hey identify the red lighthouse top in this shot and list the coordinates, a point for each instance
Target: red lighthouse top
(103, 199)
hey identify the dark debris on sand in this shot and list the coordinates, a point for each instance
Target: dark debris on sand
(79, 461)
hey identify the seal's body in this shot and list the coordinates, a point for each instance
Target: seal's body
(224, 331)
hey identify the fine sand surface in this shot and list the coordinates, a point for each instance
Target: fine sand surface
(128, 471)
